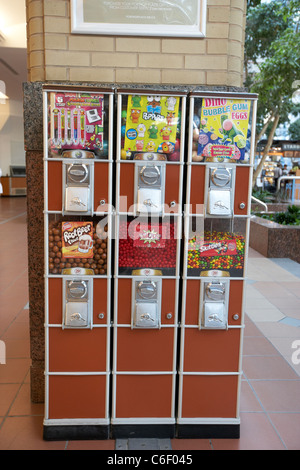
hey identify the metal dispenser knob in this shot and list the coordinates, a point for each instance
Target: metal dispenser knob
(221, 176)
(150, 174)
(77, 289)
(147, 289)
(215, 291)
(78, 172)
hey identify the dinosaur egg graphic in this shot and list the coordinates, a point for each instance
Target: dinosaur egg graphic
(227, 125)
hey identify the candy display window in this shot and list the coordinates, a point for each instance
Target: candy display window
(222, 128)
(78, 124)
(216, 247)
(77, 246)
(148, 245)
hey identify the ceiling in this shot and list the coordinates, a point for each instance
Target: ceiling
(13, 52)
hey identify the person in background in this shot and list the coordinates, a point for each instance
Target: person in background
(277, 174)
(285, 170)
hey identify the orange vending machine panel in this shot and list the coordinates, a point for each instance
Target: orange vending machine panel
(78, 220)
(216, 230)
(149, 181)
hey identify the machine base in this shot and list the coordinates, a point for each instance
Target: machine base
(208, 431)
(76, 432)
(159, 431)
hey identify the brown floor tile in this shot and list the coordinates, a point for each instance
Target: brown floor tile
(294, 288)
(14, 371)
(288, 426)
(22, 405)
(26, 433)
(16, 348)
(278, 395)
(267, 367)
(273, 289)
(250, 328)
(256, 433)
(258, 346)
(285, 304)
(7, 395)
(249, 401)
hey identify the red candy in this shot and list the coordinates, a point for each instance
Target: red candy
(133, 254)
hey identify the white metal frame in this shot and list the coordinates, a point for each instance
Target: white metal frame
(181, 420)
(109, 215)
(136, 28)
(118, 278)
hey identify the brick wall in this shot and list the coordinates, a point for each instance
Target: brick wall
(55, 54)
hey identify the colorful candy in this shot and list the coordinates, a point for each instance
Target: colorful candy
(211, 251)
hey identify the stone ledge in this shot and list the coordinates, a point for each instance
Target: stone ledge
(274, 240)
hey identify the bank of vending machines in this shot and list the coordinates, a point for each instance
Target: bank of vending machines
(216, 223)
(149, 181)
(78, 199)
(146, 240)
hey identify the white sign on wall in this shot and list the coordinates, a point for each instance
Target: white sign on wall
(177, 18)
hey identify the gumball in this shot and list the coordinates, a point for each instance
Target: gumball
(196, 157)
(174, 157)
(195, 133)
(227, 125)
(105, 146)
(196, 120)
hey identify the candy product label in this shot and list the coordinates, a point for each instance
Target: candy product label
(150, 237)
(223, 129)
(216, 252)
(218, 247)
(77, 240)
(76, 122)
(151, 124)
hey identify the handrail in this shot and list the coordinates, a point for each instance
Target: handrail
(286, 178)
(260, 202)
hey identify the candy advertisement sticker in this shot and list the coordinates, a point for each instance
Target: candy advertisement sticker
(77, 240)
(153, 236)
(76, 121)
(223, 130)
(151, 123)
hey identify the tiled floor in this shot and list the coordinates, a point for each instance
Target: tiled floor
(270, 404)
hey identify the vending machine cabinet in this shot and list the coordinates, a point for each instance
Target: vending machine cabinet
(216, 230)
(77, 220)
(149, 188)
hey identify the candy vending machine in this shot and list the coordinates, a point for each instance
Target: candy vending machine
(216, 228)
(78, 125)
(149, 177)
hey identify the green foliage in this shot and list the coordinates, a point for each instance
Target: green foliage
(290, 217)
(294, 130)
(265, 24)
(272, 58)
(264, 196)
